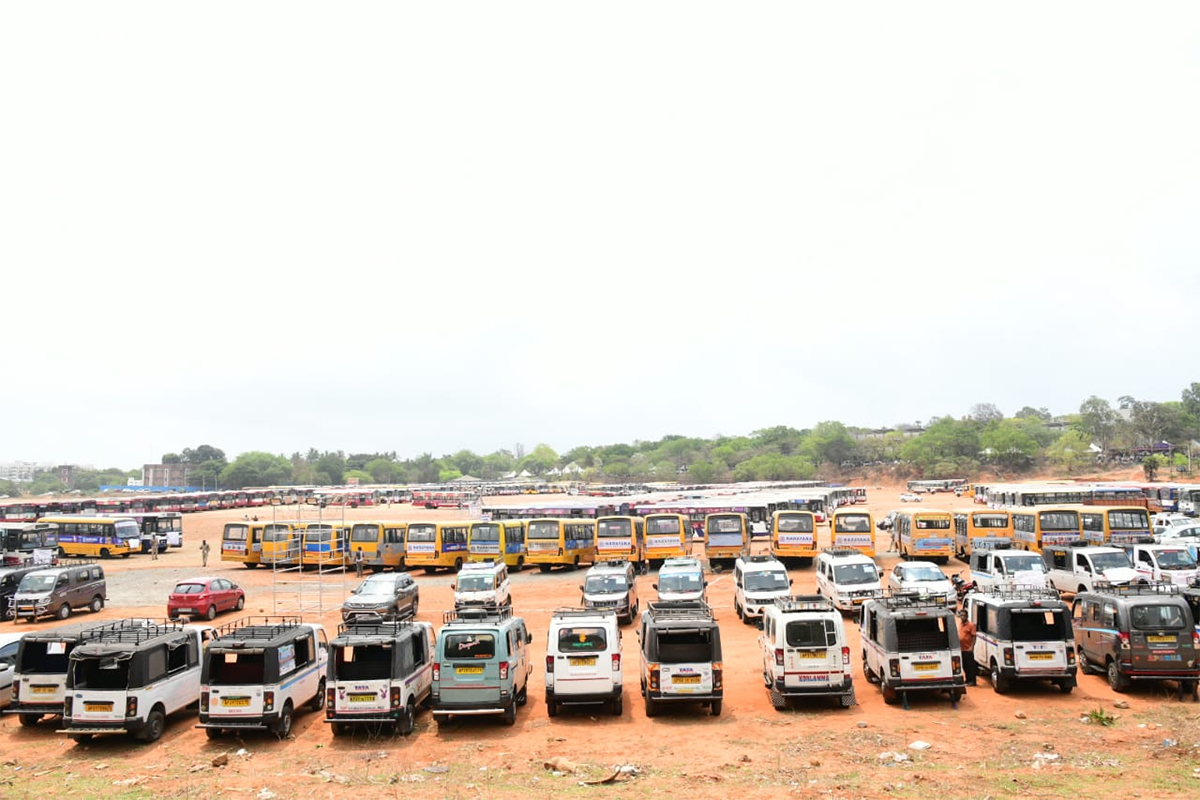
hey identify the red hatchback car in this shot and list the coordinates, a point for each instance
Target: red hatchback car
(205, 597)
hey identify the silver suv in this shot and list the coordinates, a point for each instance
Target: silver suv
(611, 585)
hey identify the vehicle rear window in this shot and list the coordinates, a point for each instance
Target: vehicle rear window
(1039, 626)
(1156, 617)
(581, 640)
(685, 647)
(104, 673)
(363, 662)
(470, 645)
(236, 669)
(189, 588)
(43, 658)
(811, 633)
(923, 633)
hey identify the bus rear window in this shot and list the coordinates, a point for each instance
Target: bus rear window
(470, 646)
(43, 658)
(799, 524)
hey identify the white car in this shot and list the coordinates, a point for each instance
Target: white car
(922, 577)
(8, 665)
(1175, 534)
(910, 497)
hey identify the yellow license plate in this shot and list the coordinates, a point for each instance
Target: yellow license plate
(926, 666)
(812, 653)
(1160, 639)
(361, 698)
(1041, 656)
(859, 601)
(97, 707)
(685, 679)
(235, 702)
(469, 670)
(41, 689)
(582, 662)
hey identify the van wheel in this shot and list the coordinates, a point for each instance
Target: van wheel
(104, 553)
(651, 706)
(738, 611)
(155, 721)
(890, 695)
(318, 701)
(409, 721)
(523, 695)
(29, 720)
(999, 681)
(1066, 685)
(716, 708)
(339, 728)
(283, 726)
(81, 737)
(211, 614)
(64, 611)
(551, 708)
(575, 565)
(214, 733)
(443, 721)
(871, 677)
(1116, 680)
(1085, 666)
(416, 604)
(250, 564)
(617, 706)
(97, 604)
(509, 717)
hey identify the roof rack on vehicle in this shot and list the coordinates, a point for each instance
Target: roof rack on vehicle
(132, 631)
(470, 614)
(1020, 593)
(761, 558)
(803, 602)
(912, 599)
(575, 611)
(1151, 587)
(259, 626)
(681, 609)
(611, 562)
(841, 551)
(364, 625)
(74, 562)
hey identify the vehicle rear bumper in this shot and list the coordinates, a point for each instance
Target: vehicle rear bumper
(571, 698)
(815, 689)
(659, 697)
(254, 723)
(375, 717)
(54, 709)
(958, 682)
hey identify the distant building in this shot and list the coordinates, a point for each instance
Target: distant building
(66, 474)
(166, 474)
(18, 471)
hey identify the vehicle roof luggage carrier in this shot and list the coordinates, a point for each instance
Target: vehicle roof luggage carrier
(841, 551)
(128, 631)
(804, 602)
(679, 609)
(910, 599)
(477, 614)
(575, 611)
(261, 628)
(1148, 588)
(1021, 593)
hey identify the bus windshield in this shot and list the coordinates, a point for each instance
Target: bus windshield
(991, 521)
(236, 533)
(276, 533)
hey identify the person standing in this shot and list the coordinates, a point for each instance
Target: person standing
(358, 562)
(966, 642)
(154, 548)
(204, 552)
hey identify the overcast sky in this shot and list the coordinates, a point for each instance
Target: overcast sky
(428, 227)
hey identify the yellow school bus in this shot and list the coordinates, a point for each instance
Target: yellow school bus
(382, 544)
(241, 542)
(1034, 526)
(984, 527)
(560, 541)
(486, 541)
(1115, 524)
(96, 537)
(620, 539)
(325, 545)
(726, 537)
(794, 534)
(436, 545)
(853, 528)
(926, 534)
(666, 537)
(281, 545)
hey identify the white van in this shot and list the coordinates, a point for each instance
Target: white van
(757, 582)
(482, 583)
(847, 578)
(583, 659)
(805, 651)
(681, 579)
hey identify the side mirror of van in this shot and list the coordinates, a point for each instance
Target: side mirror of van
(654, 586)
(528, 638)
(581, 587)
(790, 581)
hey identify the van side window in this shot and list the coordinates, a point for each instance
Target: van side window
(1078, 611)
(512, 645)
(1082, 563)
(156, 664)
(418, 649)
(177, 656)
(874, 627)
(1109, 619)
(983, 619)
(1095, 609)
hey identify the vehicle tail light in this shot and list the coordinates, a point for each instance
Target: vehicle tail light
(1008, 657)
(779, 656)
(395, 696)
(616, 662)
(549, 663)
(846, 656)
(16, 691)
(330, 695)
(67, 706)
(956, 664)
(560, 551)
(717, 669)
(131, 706)
(1124, 637)
(268, 701)
(204, 701)
(1195, 643)
(1070, 656)
(894, 667)
(654, 677)
(504, 666)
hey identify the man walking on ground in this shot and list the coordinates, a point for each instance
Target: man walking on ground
(204, 552)
(358, 562)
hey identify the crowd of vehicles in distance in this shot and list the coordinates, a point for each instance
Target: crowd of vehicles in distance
(204, 597)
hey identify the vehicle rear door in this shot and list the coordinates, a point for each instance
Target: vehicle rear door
(811, 655)
(470, 668)
(923, 641)
(583, 658)
(1159, 638)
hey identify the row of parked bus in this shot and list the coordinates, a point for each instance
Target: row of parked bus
(91, 536)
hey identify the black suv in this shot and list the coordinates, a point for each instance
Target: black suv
(390, 595)
(681, 655)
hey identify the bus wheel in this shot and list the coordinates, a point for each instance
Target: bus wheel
(520, 563)
(458, 565)
(250, 564)
(104, 553)
(62, 553)
(576, 564)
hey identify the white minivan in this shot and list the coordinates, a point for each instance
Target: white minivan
(847, 578)
(681, 579)
(583, 659)
(757, 582)
(482, 583)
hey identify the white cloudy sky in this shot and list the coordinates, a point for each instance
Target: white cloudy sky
(382, 226)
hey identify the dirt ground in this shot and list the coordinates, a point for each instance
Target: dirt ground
(1033, 742)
